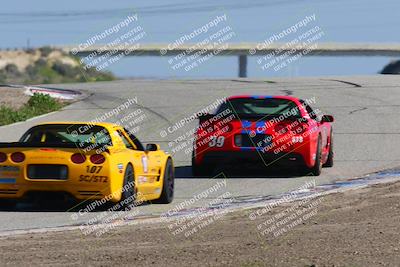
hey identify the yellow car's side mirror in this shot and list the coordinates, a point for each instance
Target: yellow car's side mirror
(152, 147)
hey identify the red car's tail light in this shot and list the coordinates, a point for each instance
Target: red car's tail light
(78, 158)
(97, 159)
(3, 157)
(18, 157)
(238, 140)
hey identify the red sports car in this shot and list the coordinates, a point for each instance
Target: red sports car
(268, 130)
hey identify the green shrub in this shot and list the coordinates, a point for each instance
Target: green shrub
(37, 105)
(3, 76)
(8, 115)
(11, 69)
(45, 51)
(41, 62)
(30, 51)
(65, 70)
(43, 103)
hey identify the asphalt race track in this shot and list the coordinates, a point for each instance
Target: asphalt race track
(367, 130)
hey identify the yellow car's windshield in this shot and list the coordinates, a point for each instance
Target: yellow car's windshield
(64, 133)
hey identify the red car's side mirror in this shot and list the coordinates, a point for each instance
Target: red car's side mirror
(327, 118)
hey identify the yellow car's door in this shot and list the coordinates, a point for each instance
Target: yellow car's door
(147, 172)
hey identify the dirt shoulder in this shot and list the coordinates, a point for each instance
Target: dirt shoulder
(355, 228)
(13, 97)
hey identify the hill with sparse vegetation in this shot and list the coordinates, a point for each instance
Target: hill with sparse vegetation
(46, 65)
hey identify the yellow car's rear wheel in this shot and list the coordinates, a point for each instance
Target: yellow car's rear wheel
(167, 193)
(128, 189)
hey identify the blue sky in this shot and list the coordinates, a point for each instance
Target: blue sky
(70, 22)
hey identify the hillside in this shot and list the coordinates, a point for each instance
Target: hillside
(46, 65)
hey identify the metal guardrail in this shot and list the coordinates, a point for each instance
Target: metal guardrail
(249, 49)
(242, 50)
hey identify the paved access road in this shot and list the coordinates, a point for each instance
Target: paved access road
(367, 129)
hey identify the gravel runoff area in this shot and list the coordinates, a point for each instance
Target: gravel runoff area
(13, 97)
(353, 228)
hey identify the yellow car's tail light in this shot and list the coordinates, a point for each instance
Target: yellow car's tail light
(78, 158)
(3, 157)
(18, 157)
(97, 159)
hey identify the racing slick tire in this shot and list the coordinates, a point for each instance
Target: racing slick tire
(329, 161)
(200, 170)
(128, 191)
(8, 204)
(317, 168)
(167, 193)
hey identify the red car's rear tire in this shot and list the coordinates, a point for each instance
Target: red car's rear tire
(317, 168)
(199, 170)
(329, 161)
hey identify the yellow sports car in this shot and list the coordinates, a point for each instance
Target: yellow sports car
(96, 161)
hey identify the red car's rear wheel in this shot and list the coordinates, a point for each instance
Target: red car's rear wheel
(329, 161)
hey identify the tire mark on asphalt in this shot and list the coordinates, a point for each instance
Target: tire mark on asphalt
(109, 97)
(357, 110)
(246, 81)
(287, 92)
(346, 82)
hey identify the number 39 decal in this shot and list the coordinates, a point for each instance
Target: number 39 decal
(216, 141)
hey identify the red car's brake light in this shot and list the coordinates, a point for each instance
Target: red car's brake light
(97, 159)
(78, 158)
(3, 157)
(18, 157)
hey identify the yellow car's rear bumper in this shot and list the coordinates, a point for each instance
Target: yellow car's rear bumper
(18, 191)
